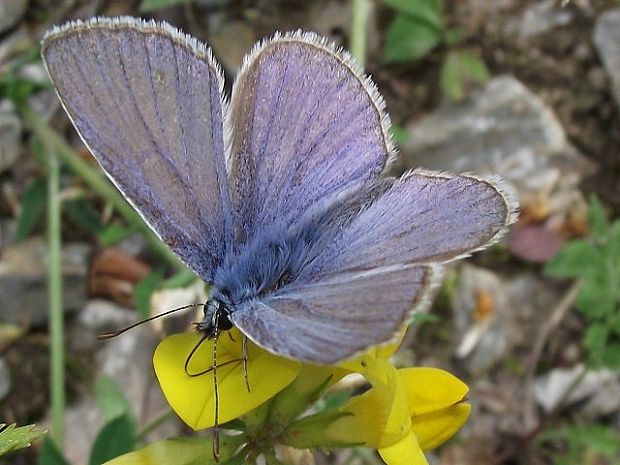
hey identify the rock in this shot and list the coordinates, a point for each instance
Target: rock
(127, 359)
(10, 134)
(607, 42)
(600, 389)
(11, 12)
(5, 379)
(504, 129)
(23, 276)
(541, 17)
(494, 315)
(480, 308)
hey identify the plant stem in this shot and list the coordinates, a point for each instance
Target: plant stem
(96, 181)
(359, 29)
(154, 424)
(56, 314)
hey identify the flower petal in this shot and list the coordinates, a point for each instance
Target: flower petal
(435, 428)
(431, 389)
(436, 404)
(379, 417)
(404, 452)
(192, 397)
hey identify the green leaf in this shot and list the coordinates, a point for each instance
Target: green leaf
(409, 39)
(144, 290)
(84, 215)
(183, 278)
(115, 438)
(595, 340)
(13, 438)
(573, 260)
(151, 5)
(50, 455)
(113, 234)
(33, 203)
(459, 70)
(428, 11)
(611, 356)
(399, 135)
(181, 451)
(595, 299)
(597, 219)
(111, 400)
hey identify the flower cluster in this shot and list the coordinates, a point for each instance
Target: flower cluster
(403, 413)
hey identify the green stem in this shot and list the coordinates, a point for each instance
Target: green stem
(359, 29)
(56, 316)
(96, 181)
(154, 424)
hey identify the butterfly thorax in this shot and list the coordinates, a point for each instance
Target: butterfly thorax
(215, 319)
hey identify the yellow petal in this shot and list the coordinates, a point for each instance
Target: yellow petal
(379, 417)
(431, 389)
(192, 397)
(435, 428)
(359, 364)
(435, 403)
(404, 452)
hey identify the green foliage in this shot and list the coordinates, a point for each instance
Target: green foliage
(111, 400)
(459, 69)
(144, 290)
(116, 438)
(33, 203)
(408, 39)
(13, 438)
(586, 444)
(596, 262)
(417, 29)
(152, 5)
(50, 455)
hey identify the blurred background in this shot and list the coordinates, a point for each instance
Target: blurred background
(528, 90)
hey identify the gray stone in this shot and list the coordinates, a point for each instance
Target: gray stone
(127, 359)
(504, 129)
(542, 17)
(10, 12)
(10, 134)
(607, 41)
(5, 379)
(23, 277)
(494, 314)
(598, 390)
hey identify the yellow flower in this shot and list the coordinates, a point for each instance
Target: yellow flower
(192, 398)
(405, 412)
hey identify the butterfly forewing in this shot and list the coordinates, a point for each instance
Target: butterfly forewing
(147, 101)
(306, 126)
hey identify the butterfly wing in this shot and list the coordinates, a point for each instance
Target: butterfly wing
(306, 125)
(378, 267)
(147, 101)
(328, 320)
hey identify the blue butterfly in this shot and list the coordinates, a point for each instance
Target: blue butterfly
(278, 198)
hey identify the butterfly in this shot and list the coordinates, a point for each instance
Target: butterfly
(276, 197)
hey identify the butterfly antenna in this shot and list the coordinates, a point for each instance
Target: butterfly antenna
(118, 332)
(191, 354)
(216, 425)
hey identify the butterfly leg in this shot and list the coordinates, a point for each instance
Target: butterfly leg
(216, 426)
(244, 346)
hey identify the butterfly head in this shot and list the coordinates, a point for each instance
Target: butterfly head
(215, 319)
